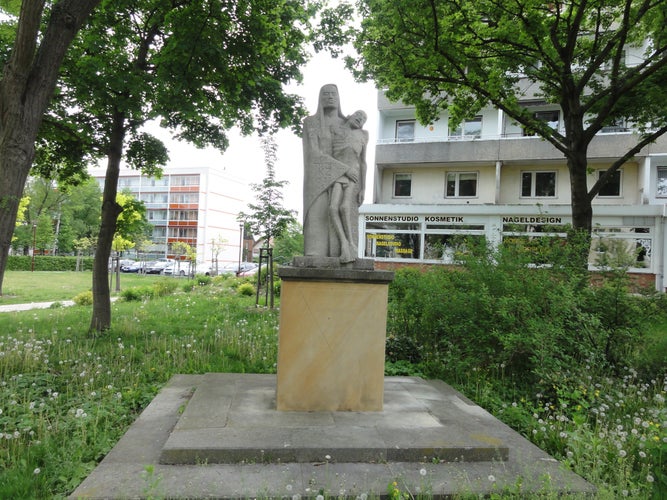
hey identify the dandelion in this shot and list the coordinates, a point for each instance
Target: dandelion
(37, 471)
(492, 478)
(622, 453)
(422, 472)
(288, 487)
(319, 497)
(328, 457)
(650, 478)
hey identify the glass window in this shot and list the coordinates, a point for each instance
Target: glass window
(613, 185)
(393, 245)
(405, 130)
(551, 118)
(461, 184)
(661, 189)
(468, 129)
(402, 185)
(538, 184)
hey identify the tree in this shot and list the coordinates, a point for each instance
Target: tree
(289, 244)
(462, 55)
(182, 249)
(30, 70)
(202, 67)
(268, 219)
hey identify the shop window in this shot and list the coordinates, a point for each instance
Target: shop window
(538, 184)
(469, 129)
(402, 185)
(461, 185)
(613, 184)
(405, 130)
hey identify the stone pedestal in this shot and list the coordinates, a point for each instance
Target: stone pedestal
(332, 338)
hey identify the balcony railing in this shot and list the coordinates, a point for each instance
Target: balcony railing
(486, 137)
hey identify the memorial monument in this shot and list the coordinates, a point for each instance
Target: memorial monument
(333, 303)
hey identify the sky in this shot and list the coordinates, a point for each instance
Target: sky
(244, 159)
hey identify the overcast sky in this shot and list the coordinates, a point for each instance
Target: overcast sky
(244, 158)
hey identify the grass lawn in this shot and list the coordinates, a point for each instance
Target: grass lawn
(21, 287)
(66, 397)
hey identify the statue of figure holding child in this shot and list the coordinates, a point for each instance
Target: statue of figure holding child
(334, 152)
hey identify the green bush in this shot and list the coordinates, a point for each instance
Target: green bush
(137, 293)
(498, 313)
(84, 299)
(47, 263)
(165, 287)
(246, 289)
(203, 280)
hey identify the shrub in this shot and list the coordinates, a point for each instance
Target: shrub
(47, 263)
(84, 299)
(164, 287)
(137, 293)
(246, 289)
(203, 280)
(496, 312)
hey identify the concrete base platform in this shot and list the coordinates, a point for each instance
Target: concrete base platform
(219, 436)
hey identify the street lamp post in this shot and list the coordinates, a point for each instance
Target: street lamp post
(238, 270)
(34, 243)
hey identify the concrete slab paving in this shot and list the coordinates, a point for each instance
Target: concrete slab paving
(219, 436)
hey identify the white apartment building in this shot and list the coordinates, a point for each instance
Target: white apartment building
(490, 179)
(196, 205)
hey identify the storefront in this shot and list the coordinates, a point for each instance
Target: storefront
(440, 234)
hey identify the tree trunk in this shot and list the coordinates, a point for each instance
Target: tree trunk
(582, 208)
(28, 81)
(101, 319)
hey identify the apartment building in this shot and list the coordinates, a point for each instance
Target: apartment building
(195, 205)
(436, 187)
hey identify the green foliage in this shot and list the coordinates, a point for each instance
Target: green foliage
(203, 280)
(47, 263)
(497, 311)
(463, 56)
(137, 293)
(84, 298)
(267, 218)
(289, 244)
(246, 289)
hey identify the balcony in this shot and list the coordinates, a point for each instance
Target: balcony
(510, 148)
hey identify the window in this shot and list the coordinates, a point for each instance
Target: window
(551, 118)
(617, 125)
(538, 184)
(461, 184)
(613, 185)
(661, 189)
(402, 185)
(405, 130)
(468, 129)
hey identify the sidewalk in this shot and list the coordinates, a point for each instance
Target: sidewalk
(34, 305)
(38, 305)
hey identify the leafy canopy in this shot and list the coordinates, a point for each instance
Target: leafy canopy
(461, 55)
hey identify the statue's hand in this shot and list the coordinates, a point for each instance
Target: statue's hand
(352, 175)
(360, 198)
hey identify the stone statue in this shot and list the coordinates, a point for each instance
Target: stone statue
(334, 151)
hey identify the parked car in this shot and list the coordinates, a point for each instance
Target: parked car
(174, 269)
(157, 266)
(204, 269)
(234, 268)
(121, 263)
(134, 267)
